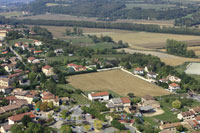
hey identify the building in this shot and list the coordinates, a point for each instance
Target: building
(58, 51)
(77, 68)
(31, 59)
(170, 127)
(10, 67)
(173, 79)
(193, 124)
(146, 109)
(5, 128)
(37, 43)
(151, 75)
(146, 98)
(5, 85)
(49, 97)
(99, 96)
(196, 110)
(173, 87)
(3, 34)
(47, 70)
(17, 118)
(139, 71)
(118, 104)
(26, 95)
(188, 115)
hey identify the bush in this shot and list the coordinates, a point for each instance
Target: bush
(118, 125)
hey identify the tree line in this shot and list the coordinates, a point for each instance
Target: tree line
(104, 25)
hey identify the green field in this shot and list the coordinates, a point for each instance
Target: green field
(148, 6)
(11, 14)
(101, 46)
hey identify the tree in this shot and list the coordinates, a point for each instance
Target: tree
(131, 95)
(68, 32)
(127, 65)
(50, 105)
(16, 128)
(44, 106)
(118, 125)
(87, 127)
(66, 129)
(98, 124)
(64, 114)
(25, 120)
(34, 68)
(38, 104)
(176, 104)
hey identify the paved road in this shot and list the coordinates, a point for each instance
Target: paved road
(18, 56)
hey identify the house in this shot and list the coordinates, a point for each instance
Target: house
(173, 87)
(37, 51)
(5, 84)
(49, 97)
(58, 51)
(188, 115)
(98, 96)
(193, 124)
(37, 43)
(151, 75)
(163, 80)
(146, 109)
(146, 98)
(196, 110)
(26, 95)
(118, 104)
(24, 82)
(11, 99)
(3, 34)
(31, 59)
(77, 68)
(17, 118)
(47, 70)
(18, 44)
(139, 71)
(10, 67)
(173, 79)
(5, 128)
(170, 126)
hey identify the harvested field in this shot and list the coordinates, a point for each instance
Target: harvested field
(117, 81)
(171, 60)
(193, 68)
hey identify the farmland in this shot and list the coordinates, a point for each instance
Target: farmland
(139, 40)
(117, 81)
(167, 58)
(193, 68)
(11, 14)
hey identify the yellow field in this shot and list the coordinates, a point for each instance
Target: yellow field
(117, 81)
(171, 60)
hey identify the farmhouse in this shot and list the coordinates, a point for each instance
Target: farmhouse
(77, 68)
(17, 118)
(99, 96)
(173, 87)
(188, 115)
(139, 71)
(170, 127)
(47, 70)
(118, 104)
(49, 97)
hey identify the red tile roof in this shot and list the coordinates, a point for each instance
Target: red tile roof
(20, 116)
(47, 67)
(174, 85)
(11, 98)
(125, 100)
(138, 69)
(105, 93)
(31, 58)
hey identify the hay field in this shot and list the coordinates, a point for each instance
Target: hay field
(171, 60)
(193, 68)
(117, 81)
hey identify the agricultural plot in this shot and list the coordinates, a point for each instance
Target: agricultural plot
(117, 81)
(171, 60)
(193, 68)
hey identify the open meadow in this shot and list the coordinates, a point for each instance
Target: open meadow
(11, 14)
(117, 81)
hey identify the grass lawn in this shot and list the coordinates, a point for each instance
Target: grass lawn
(109, 56)
(102, 46)
(81, 40)
(149, 121)
(80, 99)
(66, 86)
(24, 40)
(61, 58)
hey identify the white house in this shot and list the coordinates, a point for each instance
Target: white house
(139, 71)
(17, 118)
(37, 42)
(31, 59)
(99, 96)
(151, 75)
(173, 87)
(188, 115)
(173, 79)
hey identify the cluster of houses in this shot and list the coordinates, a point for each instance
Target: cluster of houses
(172, 81)
(190, 120)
